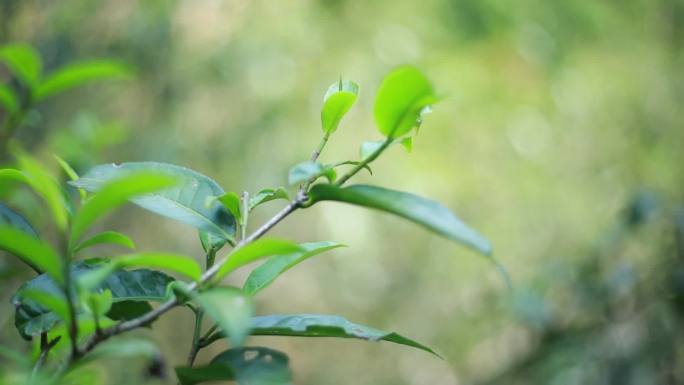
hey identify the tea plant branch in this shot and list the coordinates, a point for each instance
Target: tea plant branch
(363, 163)
(45, 347)
(317, 152)
(68, 294)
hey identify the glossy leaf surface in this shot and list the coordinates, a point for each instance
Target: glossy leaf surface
(337, 101)
(265, 274)
(251, 252)
(425, 212)
(317, 325)
(245, 365)
(106, 237)
(31, 250)
(186, 202)
(401, 97)
(267, 195)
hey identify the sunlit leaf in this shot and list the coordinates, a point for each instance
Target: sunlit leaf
(8, 100)
(12, 218)
(309, 170)
(232, 202)
(251, 252)
(263, 275)
(267, 195)
(106, 237)
(114, 194)
(172, 262)
(317, 325)
(23, 61)
(186, 202)
(422, 211)
(97, 303)
(76, 74)
(10, 174)
(401, 96)
(32, 251)
(45, 185)
(245, 365)
(231, 309)
(337, 101)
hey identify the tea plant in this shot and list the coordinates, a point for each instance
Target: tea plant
(76, 310)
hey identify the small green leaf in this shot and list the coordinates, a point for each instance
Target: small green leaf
(425, 212)
(232, 202)
(309, 170)
(23, 61)
(263, 275)
(401, 97)
(97, 303)
(186, 202)
(106, 237)
(350, 162)
(123, 348)
(32, 251)
(245, 365)
(231, 309)
(317, 325)
(12, 218)
(114, 194)
(76, 74)
(267, 195)
(176, 263)
(407, 143)
(71, 173)
(45, 185)
(337, 101)
(211, 242)
(260, 248)
(8, 100)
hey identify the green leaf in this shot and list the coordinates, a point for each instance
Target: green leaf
(12, 218)
(45, 185)
(10, 174)
(71, 173)
(54, 302)
(23, 61)
(309, 170)
(232, 202)
(8, 100)
(123, 348)
(34, 252)
(186, 202)
(337, 101)
(106, 237)
(245, 365)
(263, 275)
(76, 74)
(267, 195)
(407, 143)
(173, 262)
(401, 96)
(260, 248)
(230, 308)
(210, 242)
(350, 162)
(130, 292)
(317, 325)
(97, 304)
(114, 194)
(425, 212)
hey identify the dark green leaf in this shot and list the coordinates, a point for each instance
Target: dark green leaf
(337, 101)
(31, 250)
(137, 286)
(231, 309)
(245, 365)
(400, 99)
(309, 170)
(106, 237)
(8, 100)
(23, 61)
(258, 249)
(186, 202)
(114, 194)
(267, 195)
(263, 275)
(422, 211)
(317, 325)
(73, 75)
(127, 310)
(12, 218)
(210, 242)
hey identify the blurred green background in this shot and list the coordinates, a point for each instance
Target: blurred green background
(561, 138)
